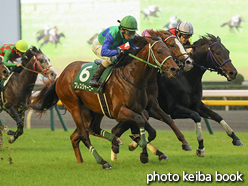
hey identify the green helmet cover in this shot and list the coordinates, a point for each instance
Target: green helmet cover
(129, 23)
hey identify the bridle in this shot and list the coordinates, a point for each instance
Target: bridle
(151, 53)
(179, 62)
(43, 71)
(210, 57)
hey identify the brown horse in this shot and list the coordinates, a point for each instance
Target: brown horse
(125, 93)
(182, 58)
(20, 84)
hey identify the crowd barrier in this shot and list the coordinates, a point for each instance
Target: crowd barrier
(206, 93)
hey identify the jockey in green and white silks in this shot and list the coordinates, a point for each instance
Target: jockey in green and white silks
(108, 41)
(13, 51)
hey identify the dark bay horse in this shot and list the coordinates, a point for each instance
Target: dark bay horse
(19, 86)
(182, 58)
(181, 96)
(125, 93)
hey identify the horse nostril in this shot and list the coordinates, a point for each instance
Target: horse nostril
(173, 69)
(188, 62)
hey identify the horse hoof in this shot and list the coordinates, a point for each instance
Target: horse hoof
(11, 139)
(106, 166)
(132, 146)
(237, 143)
(144, 158)
(119, 140)
(113, 156)
(186, 147)
(163, 157)
(200, 152)
(10, 132)
(115, 149)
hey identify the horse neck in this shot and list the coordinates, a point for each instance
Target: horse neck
(196, 73)
(139, 72)
(27, 77)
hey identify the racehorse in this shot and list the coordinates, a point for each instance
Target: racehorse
(182, 59)
(181, 96)
(55, 40)
(125, 93)
(151, 11)
(4, 71)
(19, 86)
(233, 24)
(172, 24)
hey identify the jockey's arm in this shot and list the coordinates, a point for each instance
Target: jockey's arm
(6, 59)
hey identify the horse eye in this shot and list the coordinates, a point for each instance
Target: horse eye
(159, 51)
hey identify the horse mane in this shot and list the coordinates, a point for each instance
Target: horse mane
(140, 42)
(29, 54)
(208, 39)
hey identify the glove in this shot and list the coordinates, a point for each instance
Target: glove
(123, 52)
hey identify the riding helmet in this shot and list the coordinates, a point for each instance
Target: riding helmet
(129, 23)
(21, 45)
(185, 28)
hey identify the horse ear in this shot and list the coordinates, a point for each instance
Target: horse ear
(148, 40)
(218, 39)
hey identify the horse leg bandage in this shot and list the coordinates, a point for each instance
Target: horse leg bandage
(199, 131)
(226, 127)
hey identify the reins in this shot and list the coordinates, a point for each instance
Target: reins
(158, 66)
(211, 57)
(151, 53)
(43, 71)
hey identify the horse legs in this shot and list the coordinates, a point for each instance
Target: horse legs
(75, 139)
(20, 123)
(76, 108)
(208, 113)
(126, 114)
(183, 112)
(156, 112)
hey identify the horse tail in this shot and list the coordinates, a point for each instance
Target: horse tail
(223, 24)
(45, 98)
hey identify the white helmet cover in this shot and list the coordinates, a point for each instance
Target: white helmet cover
(185, 28)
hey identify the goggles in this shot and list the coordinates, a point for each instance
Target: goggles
(129, 33)
(186, 36)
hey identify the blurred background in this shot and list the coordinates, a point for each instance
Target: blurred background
(64, 29)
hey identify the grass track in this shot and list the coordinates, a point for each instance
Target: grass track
(43, 157)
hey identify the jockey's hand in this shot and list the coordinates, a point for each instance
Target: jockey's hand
(19, 64)
(123, 51)
(189, 50)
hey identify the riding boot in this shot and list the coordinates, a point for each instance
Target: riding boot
(94, 82)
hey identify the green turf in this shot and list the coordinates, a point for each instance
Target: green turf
(42, 157)
(80, 20)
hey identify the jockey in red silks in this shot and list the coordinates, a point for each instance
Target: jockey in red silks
(183, 32)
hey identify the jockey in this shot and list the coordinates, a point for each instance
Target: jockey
(13, 51)
(183, 32)
(108, 41)
(235, 20)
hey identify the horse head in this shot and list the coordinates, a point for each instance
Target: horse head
(34, 60)
(4, 71)
(217, 56)
(160, 54)
(178, 52)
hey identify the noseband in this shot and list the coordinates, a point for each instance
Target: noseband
(210, 57)
(180, 63)
(43, 71)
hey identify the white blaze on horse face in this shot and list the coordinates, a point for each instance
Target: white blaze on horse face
(188, 62)
(51, 73)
